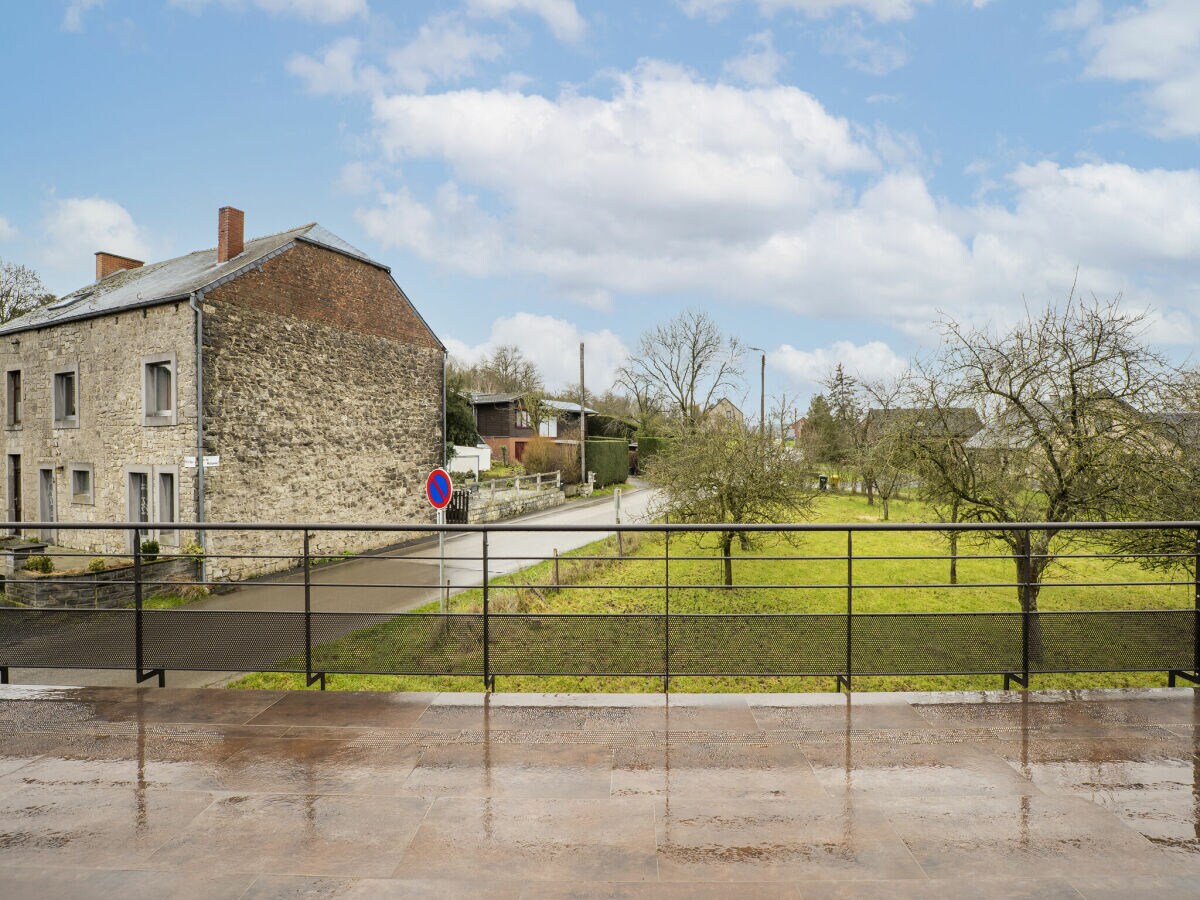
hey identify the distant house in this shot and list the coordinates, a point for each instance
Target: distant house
(506, 425)
(724, 410)
(798, 430)
(959, 422)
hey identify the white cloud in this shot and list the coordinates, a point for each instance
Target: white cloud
(881, 10)
(869, 361)
(324, 11)
(75, 11)
(443, 50)
(561, 16)
(1155, 44)
(553, 344)
(8, 230)
(673, 186)
(334, 72)
(78, 227)
(867, 54)
(760, 64)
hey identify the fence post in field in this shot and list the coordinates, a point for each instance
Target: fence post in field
(556, 582)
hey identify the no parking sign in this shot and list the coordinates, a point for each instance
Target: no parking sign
(439, 488)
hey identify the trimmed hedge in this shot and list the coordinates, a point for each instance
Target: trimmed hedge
(649, 445)
(609, 459)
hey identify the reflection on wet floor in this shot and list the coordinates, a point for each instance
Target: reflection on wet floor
(151, 792)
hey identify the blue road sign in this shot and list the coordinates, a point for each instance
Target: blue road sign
(439, 488)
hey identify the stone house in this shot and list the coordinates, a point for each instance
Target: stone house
(725, 410)
(283, 379)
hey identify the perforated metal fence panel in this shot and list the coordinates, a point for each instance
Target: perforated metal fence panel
(936, 643)
(223, 640)
(1124, 641)
(404, 644)
(576, 645)
(758, 645)
(67, 638)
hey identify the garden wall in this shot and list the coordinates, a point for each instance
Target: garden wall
(97, 590)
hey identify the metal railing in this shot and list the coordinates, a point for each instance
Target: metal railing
(317, 619)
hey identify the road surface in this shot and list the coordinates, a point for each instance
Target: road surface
(375, 579)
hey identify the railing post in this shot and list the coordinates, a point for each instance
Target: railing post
(1026, 570)
(488, 681)
(849, 615)
(138, 650)
(1196, 603)
(666, 612)
(310, 678)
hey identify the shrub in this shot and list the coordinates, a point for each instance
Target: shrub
(43, 564)
(609, 459)
(97, 564)
(150, 550)
(541, 455)
(192, 549)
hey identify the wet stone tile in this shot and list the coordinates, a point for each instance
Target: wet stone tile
(299, 765)
(279, 887)
(1029, 836)
(1168, 710)
(715, 771)
(41, 883)
(187, 705)
(486, 718)
(680, 712)
(1010, 714)
(111, 827)
(148, 762)
(945, 889)
(509, 770)
(851, 715)
(339, 709)
(650, 891)
(915, 770)
(19, 750)
(515, 840)
(778, 840)
(296, 834)
(1123, 887)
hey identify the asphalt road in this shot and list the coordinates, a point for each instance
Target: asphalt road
(396, 581)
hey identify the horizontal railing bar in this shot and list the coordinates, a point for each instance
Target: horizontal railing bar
(246, 613)
(493, 527)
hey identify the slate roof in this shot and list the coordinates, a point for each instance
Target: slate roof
(484, 399)
(174, 279)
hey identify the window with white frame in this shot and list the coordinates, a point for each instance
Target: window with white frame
(66, 398)
(158, 382)
(82, 484)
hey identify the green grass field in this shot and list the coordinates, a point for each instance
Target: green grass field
(802, 583)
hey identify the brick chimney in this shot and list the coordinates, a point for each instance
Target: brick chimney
(107, 263)
(230, 233)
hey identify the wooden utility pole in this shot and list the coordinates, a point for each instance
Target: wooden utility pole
(582, 421)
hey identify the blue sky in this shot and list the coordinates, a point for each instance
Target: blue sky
(826, 177)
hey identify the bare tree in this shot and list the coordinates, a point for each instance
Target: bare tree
(1066, 397)
(726, 474)
(645, 398)
(884, 441)
(687, 362)
(784, 413)
(21, 291)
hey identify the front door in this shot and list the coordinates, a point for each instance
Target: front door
(47, 511)
(139, 501)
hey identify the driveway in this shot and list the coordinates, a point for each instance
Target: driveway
(397, 581)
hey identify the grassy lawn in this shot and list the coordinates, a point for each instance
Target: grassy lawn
(806, 583)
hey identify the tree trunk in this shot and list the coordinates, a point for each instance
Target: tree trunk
(871, 492)
(1029, 574)
(954, 557)
(726, 551)
(885, 506)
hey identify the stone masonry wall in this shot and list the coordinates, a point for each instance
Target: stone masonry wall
(98, 590)
(323, 400)
(110, 437)
(489, 507)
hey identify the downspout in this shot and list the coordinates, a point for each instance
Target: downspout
(196, 302)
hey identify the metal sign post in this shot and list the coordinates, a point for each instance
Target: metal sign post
(439, 488)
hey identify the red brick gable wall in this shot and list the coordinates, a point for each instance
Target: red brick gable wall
(319, 285)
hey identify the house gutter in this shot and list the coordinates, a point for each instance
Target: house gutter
(196, 302)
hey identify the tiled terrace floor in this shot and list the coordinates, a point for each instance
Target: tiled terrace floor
(190, 793)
